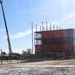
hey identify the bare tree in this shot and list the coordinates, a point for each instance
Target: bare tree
(24, 54)
(29, 51)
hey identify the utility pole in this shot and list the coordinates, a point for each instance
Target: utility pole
(8, 39)
(32, 37)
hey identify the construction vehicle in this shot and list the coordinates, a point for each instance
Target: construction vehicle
(7, 33)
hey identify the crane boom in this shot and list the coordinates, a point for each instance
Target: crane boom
(7, 33)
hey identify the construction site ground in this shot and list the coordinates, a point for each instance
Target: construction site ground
(50, 67)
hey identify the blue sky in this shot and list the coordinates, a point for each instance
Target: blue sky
(21, 13)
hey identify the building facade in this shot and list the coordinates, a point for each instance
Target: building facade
(55, 44)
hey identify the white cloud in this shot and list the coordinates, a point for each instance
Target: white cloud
(25, 33)
(69, 15)
(20, 34)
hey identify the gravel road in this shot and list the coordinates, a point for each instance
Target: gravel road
(38, 71)
(39, 68)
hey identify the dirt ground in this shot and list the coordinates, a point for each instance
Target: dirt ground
(52, 67)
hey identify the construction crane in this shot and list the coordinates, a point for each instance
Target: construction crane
(8, 39)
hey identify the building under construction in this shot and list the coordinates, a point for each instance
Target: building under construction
(55, 44)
